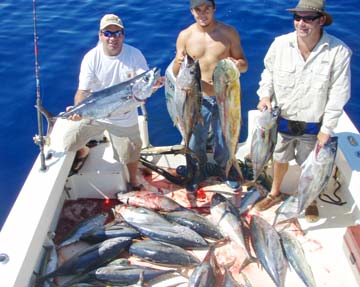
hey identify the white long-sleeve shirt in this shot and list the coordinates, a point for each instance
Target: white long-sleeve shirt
(314, 90)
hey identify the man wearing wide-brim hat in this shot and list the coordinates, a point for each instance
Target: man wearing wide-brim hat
(307, 74)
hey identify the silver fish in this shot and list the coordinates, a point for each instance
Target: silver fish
(204, 275)
(228, 97)
(266, 243)
(139, 215)
(163, 253)
(188, 97)
(263, 139)
(149, 199)
(109, 231)
(84, 226)
(227, 217)
(316, 172)
(118, 99)
(91, 257)
(175, 234)
(295, 255)
(196, 222)
(131, 274)
(253, 195)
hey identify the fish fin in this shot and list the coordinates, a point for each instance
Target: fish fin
(247, 261)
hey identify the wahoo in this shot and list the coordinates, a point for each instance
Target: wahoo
(120, 98)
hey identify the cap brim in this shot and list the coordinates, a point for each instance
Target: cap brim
(112, 24)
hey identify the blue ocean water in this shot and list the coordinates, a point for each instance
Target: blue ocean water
(68, 29)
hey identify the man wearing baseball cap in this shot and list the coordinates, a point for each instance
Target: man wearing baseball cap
(307, 74)
(209, 41)
(109, 63)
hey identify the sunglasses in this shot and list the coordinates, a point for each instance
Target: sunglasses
(306, 19)
(108, 34)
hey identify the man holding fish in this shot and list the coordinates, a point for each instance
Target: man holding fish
(209, 42)
(307, 74)
(108, 64)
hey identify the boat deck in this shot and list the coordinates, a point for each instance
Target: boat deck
(322, 241)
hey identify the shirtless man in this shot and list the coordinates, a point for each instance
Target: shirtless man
(209, 41)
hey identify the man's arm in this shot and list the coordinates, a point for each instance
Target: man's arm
(180, 52)
(236, 51)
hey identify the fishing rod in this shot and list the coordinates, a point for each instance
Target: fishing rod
(38, 139)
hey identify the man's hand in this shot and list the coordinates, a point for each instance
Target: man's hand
(74, 117)
(159, 84)
(264, 103)
(322, 138)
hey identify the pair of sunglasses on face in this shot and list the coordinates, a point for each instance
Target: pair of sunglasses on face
(307, 19)
(115, 34)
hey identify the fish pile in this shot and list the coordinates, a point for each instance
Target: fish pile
(228, 95)
(152, 239)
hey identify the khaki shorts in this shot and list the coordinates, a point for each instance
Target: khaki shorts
(293, 147)
(126, 141)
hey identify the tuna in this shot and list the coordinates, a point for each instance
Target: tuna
(163, 253)
(266, 243)
(295, 255)
(228, 96)
(196, 222)
(316, 172)
(227, 217)
(188, 97)
(150, 200)
(83, 227)
(91, 258)
(264, 139)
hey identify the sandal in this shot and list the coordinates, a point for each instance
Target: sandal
(78, 163)
(268, 202)
(312, 212)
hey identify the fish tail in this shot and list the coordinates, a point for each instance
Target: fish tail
(50, 118)
(248, 260)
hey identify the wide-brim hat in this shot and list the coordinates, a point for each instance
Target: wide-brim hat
(313, 6)
(110, 19)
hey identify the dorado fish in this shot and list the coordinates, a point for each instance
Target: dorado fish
(264, 139)
(266, 243)
(119, 98)
(295, 255)
(163, 253)
(228, 96)
(188, 97)
(316, 172)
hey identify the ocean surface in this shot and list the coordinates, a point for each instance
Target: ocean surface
(66, 30)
